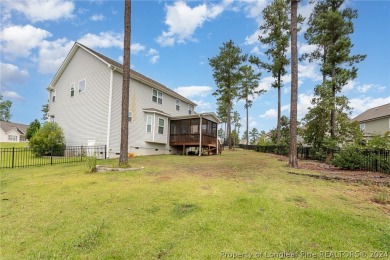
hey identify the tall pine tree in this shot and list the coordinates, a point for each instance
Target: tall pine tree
(226, 72)
(276, 31)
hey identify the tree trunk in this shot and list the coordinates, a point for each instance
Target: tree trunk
(333, 100)
(123, 157)
(229, 127)
(279, 112)
(247, 123)
(293, 159)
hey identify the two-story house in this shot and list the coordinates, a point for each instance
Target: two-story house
(375, 120)
(85, 100)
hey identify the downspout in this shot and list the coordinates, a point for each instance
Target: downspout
(109, 109)
(200, 135)
(217, 139)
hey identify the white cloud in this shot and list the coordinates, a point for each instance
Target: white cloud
(136, 48)
(154, 55)
(270, 113)
(103, 40)
(304, 102)
(306, 48)
(11, 74)
(256, 51)
(309, 70)
(52, 54)
(202, 106)
(18, 41)
(265, 83)
(11, 95)
(40, 10)
(351, 84)
(97, 17)
(183, 20)
(364, 88)
(360, 105)
(192, 91)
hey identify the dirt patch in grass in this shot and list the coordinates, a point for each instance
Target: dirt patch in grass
(329, 172)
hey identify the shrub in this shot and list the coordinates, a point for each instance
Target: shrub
(49, 139)
(91, 163)
(350, 158)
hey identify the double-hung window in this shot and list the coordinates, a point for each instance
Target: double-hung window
(72, 89)
(149, 124)
(157, 96)
(177, 105)
(82, 86)
(190, 109)
(53, 96)
(130, 116)
(161, 124)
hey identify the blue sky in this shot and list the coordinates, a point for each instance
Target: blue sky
(171, 43)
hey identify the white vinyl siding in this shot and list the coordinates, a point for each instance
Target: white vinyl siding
(82, 86)
(161, 124)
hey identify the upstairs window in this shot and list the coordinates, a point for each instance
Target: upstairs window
(149, 120)
(72, 90)
(157, 96)
(177, 105)
(52, 118)
(53, 96)
(190, 109)
(161, 124)
(130, 116)
(362, 127)
(82, 86)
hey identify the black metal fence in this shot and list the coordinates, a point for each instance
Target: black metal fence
(372, 160)
(26, 157)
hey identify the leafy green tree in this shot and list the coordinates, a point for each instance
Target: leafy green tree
(254, 135)
(276, 31)
(264, 140)
(249, 83)
(330, 27)
(45, 111)
(32, 129)
(379, 141)
(236, 120)
(284, 132)
(221, 133)
(48, 138)
(5, 109)
(226, 73)
(235, 138)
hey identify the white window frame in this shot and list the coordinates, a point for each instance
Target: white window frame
(85, 86)
(363, 127)
(52, 118)
(177, 105)
(72, 89)
(130, 116)
(149, 124)
(190, 109)
(157, 96)
(53, 96)
(162, 126)
(13, 138)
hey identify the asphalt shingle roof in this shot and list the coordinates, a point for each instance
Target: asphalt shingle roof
(7, 126)
(374, 113)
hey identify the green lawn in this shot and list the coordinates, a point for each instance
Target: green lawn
(184, 207)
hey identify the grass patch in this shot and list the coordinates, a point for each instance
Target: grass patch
(182, 207)
(382, 197)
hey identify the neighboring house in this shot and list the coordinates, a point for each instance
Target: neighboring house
(375, 120)
(85, 100)
(12, 132)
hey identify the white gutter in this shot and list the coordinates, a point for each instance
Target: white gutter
(217, 140)
(109, 109)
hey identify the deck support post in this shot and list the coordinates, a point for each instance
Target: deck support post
(184, 149)
(200, 136)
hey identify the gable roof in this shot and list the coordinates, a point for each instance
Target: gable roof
(8, 126)
(374, 113)
(118, 67)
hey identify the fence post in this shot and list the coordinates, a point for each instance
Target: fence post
(51, 156)
(105, 151)
(13, 156)
(81, 154)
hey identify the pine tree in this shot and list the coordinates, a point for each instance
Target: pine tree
(293, 159)
(124, 148)
(249, 83)
(330, 27)
(276, 28)
(226, 72)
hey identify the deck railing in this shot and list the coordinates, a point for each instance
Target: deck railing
(192, 139)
